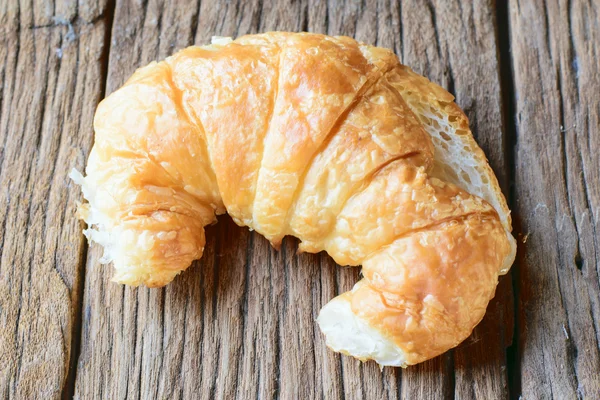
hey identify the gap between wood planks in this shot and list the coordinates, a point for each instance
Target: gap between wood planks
(508, 114)
(68, 390)
(508, 111)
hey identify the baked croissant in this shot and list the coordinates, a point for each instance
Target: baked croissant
(323, 138)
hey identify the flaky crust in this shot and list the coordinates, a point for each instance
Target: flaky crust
(324, 138)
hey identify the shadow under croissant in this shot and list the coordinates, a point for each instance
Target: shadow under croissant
(246, 309)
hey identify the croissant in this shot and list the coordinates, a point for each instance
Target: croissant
(324, 138)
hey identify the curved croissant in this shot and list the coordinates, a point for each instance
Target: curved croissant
(323, 138)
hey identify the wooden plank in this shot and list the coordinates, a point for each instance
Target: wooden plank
(454, 43)
(50, 82)
(184, 340)
(556, 49)
(240, 323)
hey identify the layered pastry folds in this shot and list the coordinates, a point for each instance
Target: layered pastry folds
(322, 138)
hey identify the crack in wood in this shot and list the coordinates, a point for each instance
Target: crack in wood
(510, 126)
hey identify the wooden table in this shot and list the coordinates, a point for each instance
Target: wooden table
(240, 323)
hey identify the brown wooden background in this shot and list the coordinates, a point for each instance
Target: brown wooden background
(240, 323)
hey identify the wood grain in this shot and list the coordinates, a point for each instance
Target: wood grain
(50, 69)
(556, 48)
(240, 323)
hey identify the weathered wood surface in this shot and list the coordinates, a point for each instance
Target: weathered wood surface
(556, 52)
(50, 80)
(240, 323)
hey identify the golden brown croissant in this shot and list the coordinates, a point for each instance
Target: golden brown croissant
(323, 138)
